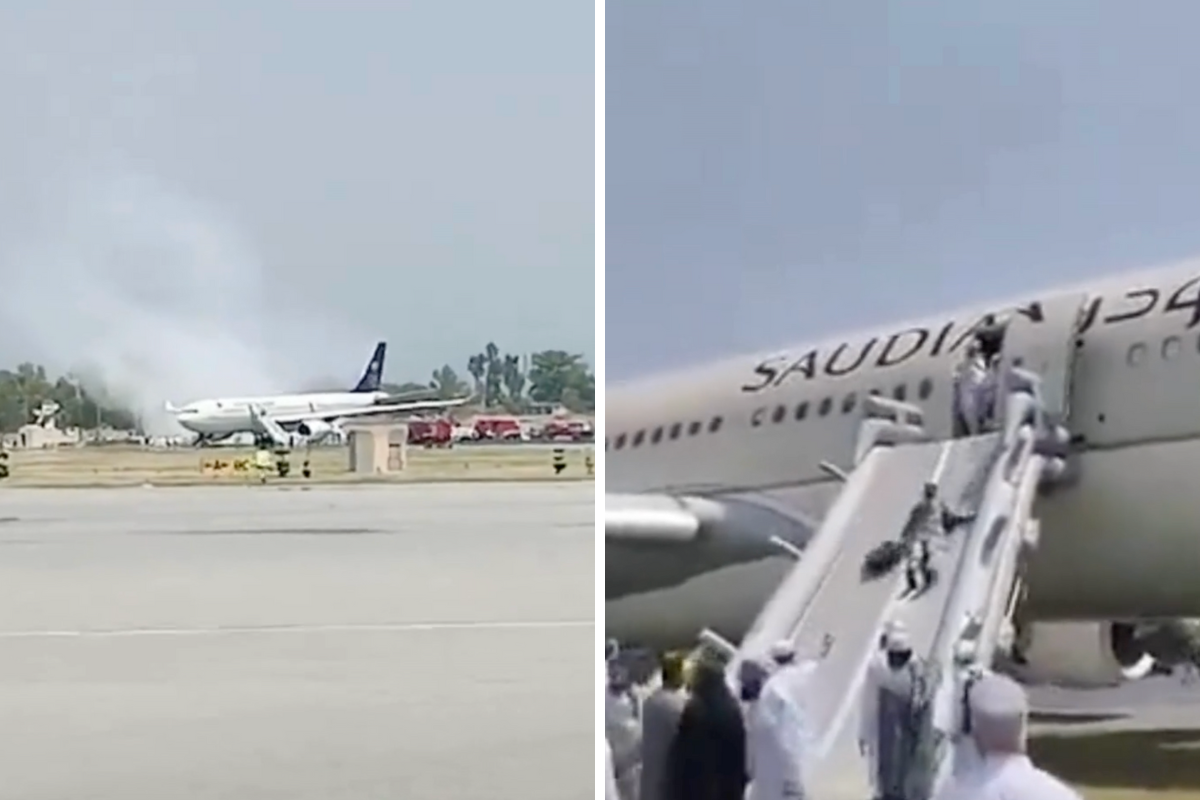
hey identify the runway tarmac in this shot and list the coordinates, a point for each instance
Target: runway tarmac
(1149, 704)
(431, 641)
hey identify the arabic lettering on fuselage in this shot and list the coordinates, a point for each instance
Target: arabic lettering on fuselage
(902, 346)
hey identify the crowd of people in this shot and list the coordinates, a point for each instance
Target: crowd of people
(692, 738)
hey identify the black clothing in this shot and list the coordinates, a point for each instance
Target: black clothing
(990, 338)
(708, 757)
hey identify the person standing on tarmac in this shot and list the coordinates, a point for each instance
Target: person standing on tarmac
(708, 756)
(898, 730)
(622, 730)
(778, 731)
(999, 714)
(660, 723)
(610, 780)
(752, 675)
(877, 668)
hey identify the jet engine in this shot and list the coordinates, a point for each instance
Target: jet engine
(315, 430)
(1092, 655)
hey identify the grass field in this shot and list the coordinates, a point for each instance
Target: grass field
(133, 466)
(1126, 765)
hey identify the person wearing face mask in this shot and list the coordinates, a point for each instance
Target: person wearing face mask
(896, 729)
(1000, 769)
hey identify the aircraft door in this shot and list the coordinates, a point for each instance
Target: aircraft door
(1043, 336)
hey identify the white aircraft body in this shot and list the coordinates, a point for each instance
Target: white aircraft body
(704, 465)
(313, 416)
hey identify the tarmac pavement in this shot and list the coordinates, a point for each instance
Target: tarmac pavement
(336, 642)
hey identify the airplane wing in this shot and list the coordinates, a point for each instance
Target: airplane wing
(366, 411)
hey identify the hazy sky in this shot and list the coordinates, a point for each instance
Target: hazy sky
(225, 196)
(778, 169)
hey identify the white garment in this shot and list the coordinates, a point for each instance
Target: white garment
(624, 735)
(777, 737)
(610, 781)
(1005, 777)
(868, 721)
(970, 384)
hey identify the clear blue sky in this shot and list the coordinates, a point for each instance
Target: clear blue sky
(225, 196)
(780, 169)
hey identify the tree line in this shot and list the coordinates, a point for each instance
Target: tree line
(504, 380)
(495, 380)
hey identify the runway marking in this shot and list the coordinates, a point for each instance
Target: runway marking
(395, 627)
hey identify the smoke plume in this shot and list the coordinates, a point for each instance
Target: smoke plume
(147, 293)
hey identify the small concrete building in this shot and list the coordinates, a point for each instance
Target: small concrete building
(377, 447)
(44, 437)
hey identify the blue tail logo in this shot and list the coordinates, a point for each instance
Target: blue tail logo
(372, 377)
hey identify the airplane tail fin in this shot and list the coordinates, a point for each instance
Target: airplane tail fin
(372, 377)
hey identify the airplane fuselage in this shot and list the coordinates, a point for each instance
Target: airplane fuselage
(1121, 541)
(230, 415)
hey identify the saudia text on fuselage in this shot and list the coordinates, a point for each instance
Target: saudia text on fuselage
(890, 351)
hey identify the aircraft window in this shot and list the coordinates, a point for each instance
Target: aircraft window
(779, 414)
(875, 392)
(693, 428)
(825, 407)
(900, 392)
(606, 444)
(676, 429)
(801, 410)
(756, 417)
(715, 424)
(1171, 347)
(638, 438)
(656, 437)
(1137, 353)
(848, 403)
(925, 388)
(620, 442)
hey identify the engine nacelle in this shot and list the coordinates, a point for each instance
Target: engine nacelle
(315, 430)
(1085, 654)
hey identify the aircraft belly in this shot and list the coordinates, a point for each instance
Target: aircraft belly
(725, 599)
(1125, 542)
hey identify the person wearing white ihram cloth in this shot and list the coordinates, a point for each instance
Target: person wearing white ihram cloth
(1001, 770)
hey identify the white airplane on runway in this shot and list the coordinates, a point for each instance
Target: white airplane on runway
(704, 466)
(313, 416)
